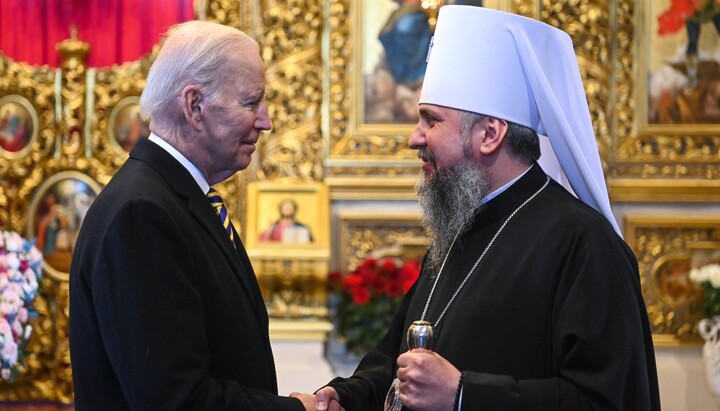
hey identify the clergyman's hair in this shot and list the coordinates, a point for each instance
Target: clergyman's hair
(523, 141)
(194, 52)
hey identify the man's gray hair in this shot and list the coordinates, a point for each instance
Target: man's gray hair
(524, 142)
(194, 52)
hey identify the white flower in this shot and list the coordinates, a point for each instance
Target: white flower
(13, 242)
(707, 273)
(22, 315)
(10, 351)
(18, 290)
(13, 262)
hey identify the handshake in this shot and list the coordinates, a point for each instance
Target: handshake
(425, 381)
(325, 399)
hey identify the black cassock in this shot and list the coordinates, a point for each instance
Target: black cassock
(552, 318)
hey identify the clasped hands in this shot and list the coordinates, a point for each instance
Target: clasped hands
(428, 382)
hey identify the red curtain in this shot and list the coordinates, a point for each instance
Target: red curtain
(118, 30)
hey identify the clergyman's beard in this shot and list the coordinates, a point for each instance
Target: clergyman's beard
(449, 199)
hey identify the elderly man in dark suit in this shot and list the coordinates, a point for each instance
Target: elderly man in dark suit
(165, 310)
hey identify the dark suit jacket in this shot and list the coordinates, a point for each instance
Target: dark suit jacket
(165, 314)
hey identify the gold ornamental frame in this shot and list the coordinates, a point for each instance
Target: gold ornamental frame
(312, 211)
(32, 88)
(663, 246)
(71, 191)
(378, 234)
(31, 115)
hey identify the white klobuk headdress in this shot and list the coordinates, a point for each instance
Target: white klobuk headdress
(524, 71)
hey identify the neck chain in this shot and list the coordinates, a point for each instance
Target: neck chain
(427, 304)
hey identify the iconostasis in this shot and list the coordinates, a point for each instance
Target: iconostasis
(342, 88)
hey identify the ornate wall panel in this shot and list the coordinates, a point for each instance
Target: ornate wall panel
(663, 245)
(378, 234)
(291, 43)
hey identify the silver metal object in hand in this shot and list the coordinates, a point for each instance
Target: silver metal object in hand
(420, 335)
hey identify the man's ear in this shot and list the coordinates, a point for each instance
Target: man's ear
(193, 103)
(494, 135)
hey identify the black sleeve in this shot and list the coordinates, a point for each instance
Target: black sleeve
(367, 387)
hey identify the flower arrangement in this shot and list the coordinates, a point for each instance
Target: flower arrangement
(20, 271)
(708, 277)
(367, 299)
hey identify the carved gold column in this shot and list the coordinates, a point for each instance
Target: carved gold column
(74, 54)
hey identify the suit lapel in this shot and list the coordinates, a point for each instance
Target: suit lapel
(182, 182)
(237, 258)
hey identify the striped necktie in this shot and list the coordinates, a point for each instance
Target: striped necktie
(220, 208)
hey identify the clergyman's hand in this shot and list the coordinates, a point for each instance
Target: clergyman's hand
(327, 399)
(428, 382)
(308, 400)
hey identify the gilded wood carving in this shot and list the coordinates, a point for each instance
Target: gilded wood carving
(663, 246)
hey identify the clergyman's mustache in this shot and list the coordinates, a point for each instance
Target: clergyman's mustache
(426, 155)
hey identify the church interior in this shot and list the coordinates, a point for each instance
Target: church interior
(331, 185)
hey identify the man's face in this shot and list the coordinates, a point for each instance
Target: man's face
(287, 210)
(439, 138)
(234, 121)
(453, 182)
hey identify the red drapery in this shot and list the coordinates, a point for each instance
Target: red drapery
(118, 30)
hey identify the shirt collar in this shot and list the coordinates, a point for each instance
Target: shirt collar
(194, 172)
(503, 188)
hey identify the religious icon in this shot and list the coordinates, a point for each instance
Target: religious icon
(286, 229)
(671, 281)
(56, 213)
(393, 86)
(18, 125)
(395, 57)
(126, 125)
(684, 83)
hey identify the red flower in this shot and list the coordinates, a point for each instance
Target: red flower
(388, 266)
(408, 274)
(378, 283)
(361, 296)
(352, 283)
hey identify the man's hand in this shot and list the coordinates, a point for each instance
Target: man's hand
(327, 399)
(308, 400)
(428, 382)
